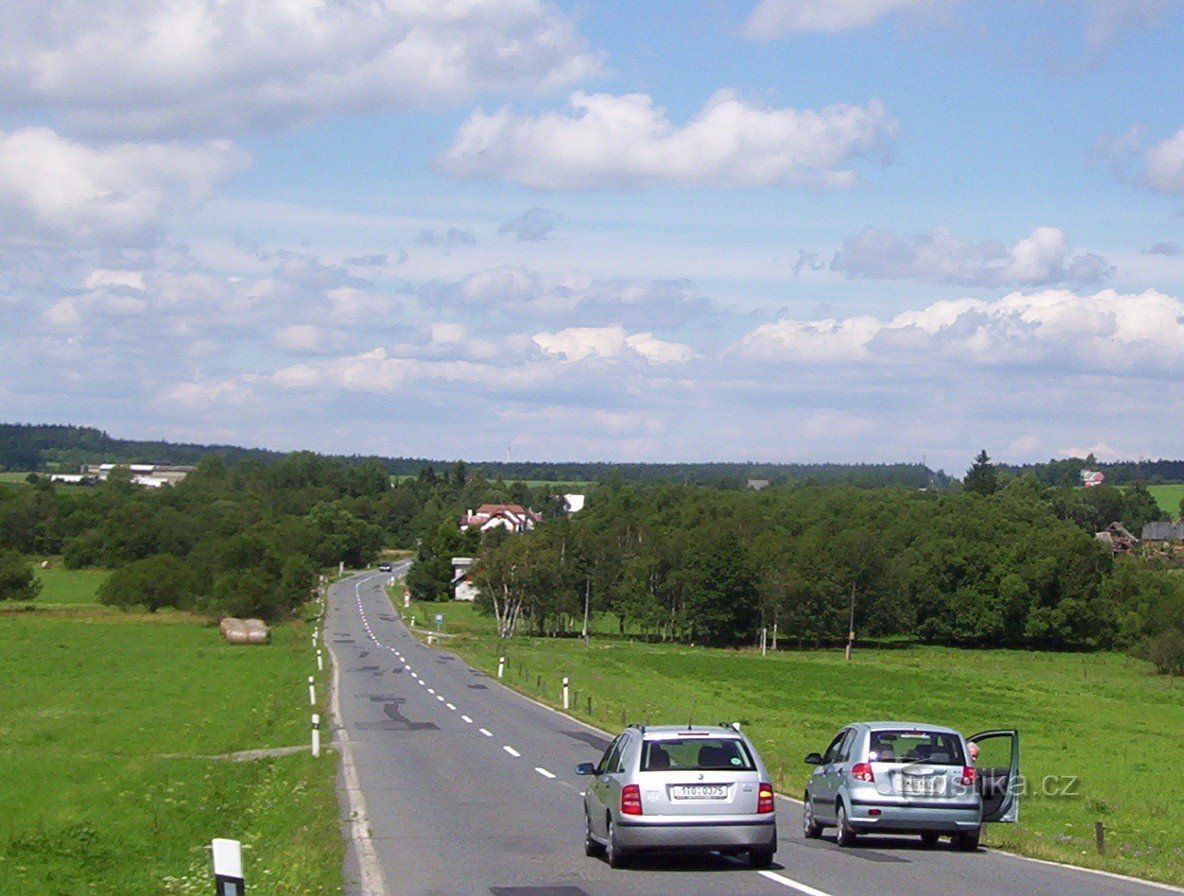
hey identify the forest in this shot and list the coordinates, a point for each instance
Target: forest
(997, 560)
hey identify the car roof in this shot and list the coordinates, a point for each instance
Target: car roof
(655, 732)
(909, 726)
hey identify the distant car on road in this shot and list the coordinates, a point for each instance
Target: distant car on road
(384, 567)
(665, 787)
(907, 778)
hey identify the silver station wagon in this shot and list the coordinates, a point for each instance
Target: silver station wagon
(661, 788)
(906, 778)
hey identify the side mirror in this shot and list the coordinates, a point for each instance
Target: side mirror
(813, 759)
(585, 768)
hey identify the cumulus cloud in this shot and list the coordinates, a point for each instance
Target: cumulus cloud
(1105, 332)
(1039, 259)
(626, 141)
(532, 226)
(778, 18)
(59, 190)
(198, 66)
(611, 344)
(1163, 164)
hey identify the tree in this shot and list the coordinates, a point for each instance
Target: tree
(17, 579)
(162, 580)
(981, 478)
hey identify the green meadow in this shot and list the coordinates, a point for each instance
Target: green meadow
(114, 733)
(1168, 497)
(1098, 731)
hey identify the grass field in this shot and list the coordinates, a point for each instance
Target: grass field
(1099, 731)
(109, 725)
(69, 587)
(1168, 497)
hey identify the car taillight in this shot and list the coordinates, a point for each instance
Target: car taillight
(967, 776)
(630, 800)
(862, 771)
(764, 798)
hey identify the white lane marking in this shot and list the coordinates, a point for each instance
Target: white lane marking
(431, 690)
(413, 674)
(544, 772)
(512, 752)
(438, 697)
(792, 884)
(421, 682)
(468, 721)
(486, 732)
(450, 706)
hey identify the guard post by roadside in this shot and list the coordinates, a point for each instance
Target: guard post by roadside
(228, 867)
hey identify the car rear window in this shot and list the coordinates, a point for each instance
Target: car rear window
(929, 747)
(696, 754)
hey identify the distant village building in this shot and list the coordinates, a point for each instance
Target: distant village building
(757, 484)
(145, 475)
(1119, 539)
(1163, 530)
(573, 503)
(462, 583)
(513, 517)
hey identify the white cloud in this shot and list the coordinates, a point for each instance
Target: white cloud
(611, 343)
(1041, 258)
(625, 141)
(212, 66)
(1107, 332)
(57, 189)
(1164, 164)
(778, 18)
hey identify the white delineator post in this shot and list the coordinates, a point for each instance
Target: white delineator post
(320, 662)
(312, 692)
(501, 666)
(314, 637)
(228, 867)
(316, 736)
(566, 694)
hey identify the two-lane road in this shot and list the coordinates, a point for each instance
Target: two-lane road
(469, 790)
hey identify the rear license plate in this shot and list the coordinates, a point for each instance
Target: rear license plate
(699, 792)
(922, 785)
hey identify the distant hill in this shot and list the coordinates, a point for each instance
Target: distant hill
(47, 447)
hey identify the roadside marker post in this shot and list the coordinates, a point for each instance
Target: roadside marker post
(316, 736)
(312, 692)
(501, 666)
(566, 694)
(228, 867)
(320, 661)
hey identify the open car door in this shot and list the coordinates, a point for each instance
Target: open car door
(997, 774)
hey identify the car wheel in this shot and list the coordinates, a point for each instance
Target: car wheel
(760, 858)
(592, 847)
(929, 839)
(811, 829)
(968, 842)
(847, 833)
(613, 853)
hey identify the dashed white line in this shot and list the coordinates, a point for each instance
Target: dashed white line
(438, 697)
(544, 772)
(486, 732)
(422, 682)
(792, 884)
(468, 721)
(450, 706)
(512, 752)
(431, 690)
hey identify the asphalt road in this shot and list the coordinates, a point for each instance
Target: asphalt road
(464, 788)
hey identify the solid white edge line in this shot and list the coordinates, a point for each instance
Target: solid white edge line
(1168, 888)
(372, 882)
(793, 884)
(512, 752)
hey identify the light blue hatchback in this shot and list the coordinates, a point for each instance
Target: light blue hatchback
(909, 778)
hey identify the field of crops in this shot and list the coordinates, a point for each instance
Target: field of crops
(112, 732)
(1096, 729)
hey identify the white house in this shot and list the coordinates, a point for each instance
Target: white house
(508, 516)
(462, 586)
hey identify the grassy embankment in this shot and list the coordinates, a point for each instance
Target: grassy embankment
(109, 723)
(1098, 730)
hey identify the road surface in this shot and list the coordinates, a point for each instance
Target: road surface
(465, 788)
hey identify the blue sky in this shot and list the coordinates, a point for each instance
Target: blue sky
(772, 230)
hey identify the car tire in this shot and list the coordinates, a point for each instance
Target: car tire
(811, 829)
(929, 839)
(846, 833)
(968, 841)
(592, 846)
(614, 854)
(760, 858)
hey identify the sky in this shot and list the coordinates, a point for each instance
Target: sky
(784, 231)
